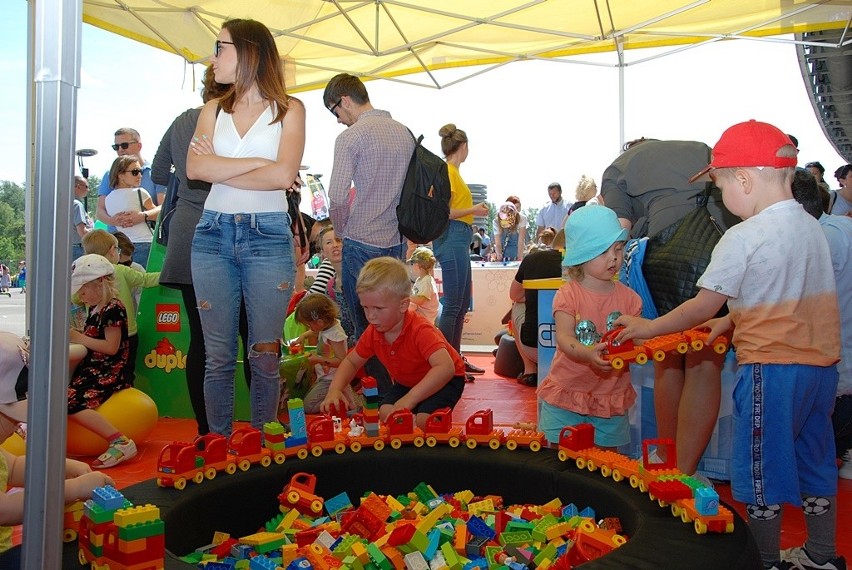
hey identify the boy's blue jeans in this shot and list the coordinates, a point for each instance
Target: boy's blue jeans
(248, 256)
(452, 251)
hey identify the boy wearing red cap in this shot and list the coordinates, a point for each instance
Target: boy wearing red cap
(786, 328)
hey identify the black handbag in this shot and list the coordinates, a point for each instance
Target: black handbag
(150, 223)
(678, 255)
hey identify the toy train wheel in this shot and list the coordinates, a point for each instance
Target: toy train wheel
(605, 471)
(652, 497)
(339, 448)
(431, 441)
(494, 443)
(618, 540)
(244, 465)
(720, 348)
(684, 516)
(280, 458)
(643, 486)
(697, 344)
(562, 455)
(302, 453)
(729, 528)
(231, 468)
(700, 527)
(590, 465)
(293, 497)
(355, 447)
(316, 506)
(378, 445)
(634, 481)
(682, 347)
(396, 443)
(581, 463)
(511, 445)
(418, 441)
(659, 355)
(676, 510)
(470, 443)
(617, 476)
(265, 461)
(69, 535)
(535, 445)
(198, 478)
(316, 451)
(454, 441)
(662, 503)
(210, 473)
(587, 526)
(81, 556)
(617, 363)
(641, 358)
(180, 484)
(160, 482)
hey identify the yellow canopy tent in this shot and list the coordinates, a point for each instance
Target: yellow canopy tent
(388, 39)
(393, 39)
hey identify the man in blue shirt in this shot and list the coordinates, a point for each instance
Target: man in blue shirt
(553, 214)
(128, 141)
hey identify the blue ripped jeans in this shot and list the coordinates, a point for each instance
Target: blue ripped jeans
(355, 255)
(248, 256)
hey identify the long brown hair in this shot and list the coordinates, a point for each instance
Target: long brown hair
(258, 63)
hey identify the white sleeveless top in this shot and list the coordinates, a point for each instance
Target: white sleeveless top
(261, 140)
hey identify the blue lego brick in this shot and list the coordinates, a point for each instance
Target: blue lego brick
(588, 512)
(262, 562)
(434, 538)
(241, 551)
(477, 562)
(706, 501)
(108, 498)
(300, 563)
(569, 510)
(338, 503)
(295, 441)
(477, 527)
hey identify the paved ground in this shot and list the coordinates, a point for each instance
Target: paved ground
(13, 312)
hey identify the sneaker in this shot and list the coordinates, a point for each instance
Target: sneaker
(782, 565)
(472, 368)
(845, 471)
(799, 558)
(469, 378)
(118, 451)
(530, 380)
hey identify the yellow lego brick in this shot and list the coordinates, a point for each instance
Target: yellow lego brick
(287, 520)
(552, 505)
(359, 551)
(288, 554)
(430, 520)
(133, 515)
(485, 505)
(394, 504)
(464, 497)
(261, 538)
(220, 537)
(96, 539)
(545, 564)
(557, 530)
(419, 508)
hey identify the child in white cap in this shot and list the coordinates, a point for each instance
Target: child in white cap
(583, 387)
(424, 292)
(774, 271)
(80, 480)
(101, 373)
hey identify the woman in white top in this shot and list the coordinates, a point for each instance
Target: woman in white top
(128, 205)
(249, 145)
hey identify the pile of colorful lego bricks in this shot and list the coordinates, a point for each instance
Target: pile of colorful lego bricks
(421, 530)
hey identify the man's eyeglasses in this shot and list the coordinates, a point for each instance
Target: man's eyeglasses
(135, 171)
(217, 47)
(124, 145)
(333, 108)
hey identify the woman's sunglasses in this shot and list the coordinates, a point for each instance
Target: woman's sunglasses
(135, 171)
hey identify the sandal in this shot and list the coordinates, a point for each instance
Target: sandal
(530, 380)
(119, 451)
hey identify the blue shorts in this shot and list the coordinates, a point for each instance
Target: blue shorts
(783, 441)
(609, 432)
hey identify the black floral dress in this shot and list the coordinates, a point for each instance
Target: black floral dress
(99, 375)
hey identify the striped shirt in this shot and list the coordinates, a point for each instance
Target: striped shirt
(373, 154)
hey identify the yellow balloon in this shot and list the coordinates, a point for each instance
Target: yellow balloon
(131, 411)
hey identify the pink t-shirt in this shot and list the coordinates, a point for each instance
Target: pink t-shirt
(579, 387)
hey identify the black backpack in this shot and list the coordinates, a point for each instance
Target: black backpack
(424, 205)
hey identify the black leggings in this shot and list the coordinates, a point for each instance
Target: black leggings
(196, 356)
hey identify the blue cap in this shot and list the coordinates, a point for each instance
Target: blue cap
(589, 232)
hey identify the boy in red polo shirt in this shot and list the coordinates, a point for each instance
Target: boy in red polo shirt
(427, 373)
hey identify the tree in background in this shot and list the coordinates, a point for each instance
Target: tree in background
(12, 231)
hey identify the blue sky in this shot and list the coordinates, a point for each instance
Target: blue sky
(529, 123)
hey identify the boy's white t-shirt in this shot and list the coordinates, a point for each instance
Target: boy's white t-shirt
(425, 286)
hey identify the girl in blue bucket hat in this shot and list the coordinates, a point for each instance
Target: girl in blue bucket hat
(582, 387)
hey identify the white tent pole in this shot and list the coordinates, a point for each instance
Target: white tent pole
(619, 47)
(55, 37)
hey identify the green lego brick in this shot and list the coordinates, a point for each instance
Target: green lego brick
(142, 530)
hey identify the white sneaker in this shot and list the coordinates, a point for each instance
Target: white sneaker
(798, 557)
(845, 471)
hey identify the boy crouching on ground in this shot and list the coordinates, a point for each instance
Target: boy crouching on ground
(774, 271)
(427, 373)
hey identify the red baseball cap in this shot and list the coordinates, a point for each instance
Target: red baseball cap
(749, 144)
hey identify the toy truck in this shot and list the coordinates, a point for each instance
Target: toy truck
(479, 428)
(439, 429)
(299, 494)
(401, 429)
(620, 353)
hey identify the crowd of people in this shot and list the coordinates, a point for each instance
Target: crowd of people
(238, 245)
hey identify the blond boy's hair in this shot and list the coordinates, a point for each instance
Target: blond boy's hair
(384, 274)
(99, 241)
